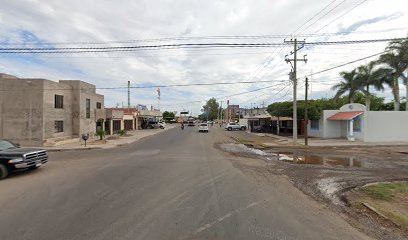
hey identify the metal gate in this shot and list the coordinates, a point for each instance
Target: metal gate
(128, 125)
(116, 126)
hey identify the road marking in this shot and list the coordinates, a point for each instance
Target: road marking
(222, 218)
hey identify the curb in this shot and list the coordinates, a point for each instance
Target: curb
(71, 149)
(375, 211)
(98, 148)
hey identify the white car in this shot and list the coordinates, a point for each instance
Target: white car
(234, 126)
(162, 125)
(203, 127)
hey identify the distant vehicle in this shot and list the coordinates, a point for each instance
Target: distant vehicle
(190, 122)
(234, 126)
(12, 157)
(203, 127)
(211, 123)
(161, 125)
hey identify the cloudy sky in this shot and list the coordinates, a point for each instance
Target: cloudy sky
(84, 23)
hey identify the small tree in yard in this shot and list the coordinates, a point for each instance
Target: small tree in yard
(101, 134)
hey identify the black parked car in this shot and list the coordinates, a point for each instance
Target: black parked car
(12, 157)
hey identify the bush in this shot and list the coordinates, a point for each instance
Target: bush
(101, 134)
(122, 132)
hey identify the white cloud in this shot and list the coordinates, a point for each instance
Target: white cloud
(90, 21)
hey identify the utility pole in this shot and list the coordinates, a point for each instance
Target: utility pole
(293, 78)
(306, 117)
(221, 119)
(219, 116)
(128, 95)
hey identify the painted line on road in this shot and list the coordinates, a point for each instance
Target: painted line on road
(222, 218)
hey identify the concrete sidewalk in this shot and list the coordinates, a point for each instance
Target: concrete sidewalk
(275, 140)
(110, 141)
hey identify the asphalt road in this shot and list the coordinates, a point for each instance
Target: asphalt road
(174, 185)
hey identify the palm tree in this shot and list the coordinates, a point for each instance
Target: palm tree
(397, 59)
(368, 75)
(349, 84)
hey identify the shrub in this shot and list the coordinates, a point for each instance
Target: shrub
(101, 134)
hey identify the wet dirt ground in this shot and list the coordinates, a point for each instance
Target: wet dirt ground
(328, 173)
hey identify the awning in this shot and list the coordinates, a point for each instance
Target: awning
(345, 115)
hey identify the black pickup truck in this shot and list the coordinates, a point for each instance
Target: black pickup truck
(12, 157)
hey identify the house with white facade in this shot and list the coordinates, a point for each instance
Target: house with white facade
(354, 122)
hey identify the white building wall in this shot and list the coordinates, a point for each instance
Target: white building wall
(343, 129)
(315, 132)
(243, 122)
(331, 129)
(386, 126)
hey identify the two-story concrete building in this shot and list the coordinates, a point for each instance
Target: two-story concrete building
(40, 111)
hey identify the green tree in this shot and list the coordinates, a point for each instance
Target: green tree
(348, 84)
(397, 59)
(315, 107)
(169, 115)
(285, 109)
(368, 75)
(210, 109)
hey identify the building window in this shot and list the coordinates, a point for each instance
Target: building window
(59, 101)
(59, 126)
(98, 105)
(357, 124)
(314, 124)
(88, 108)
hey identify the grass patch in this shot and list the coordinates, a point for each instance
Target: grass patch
(385, 191)
(395, 216)
(399, 219)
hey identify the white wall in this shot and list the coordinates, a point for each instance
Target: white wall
(315, 132)
(386, 126)
(243, 122)
(332, 129)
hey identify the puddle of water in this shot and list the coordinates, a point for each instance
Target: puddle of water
(295, 158)
(317, 159)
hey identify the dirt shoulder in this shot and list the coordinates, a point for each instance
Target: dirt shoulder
(327, 173)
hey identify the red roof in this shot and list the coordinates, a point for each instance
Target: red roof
(345, 115)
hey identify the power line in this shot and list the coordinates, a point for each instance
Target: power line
(270, 58)
(156, 86)
(315, 15)
(225, 37)
(327, 13)
(233, 95)
(344, 64)
(181, 45)
(357, 5)
(255, 90)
